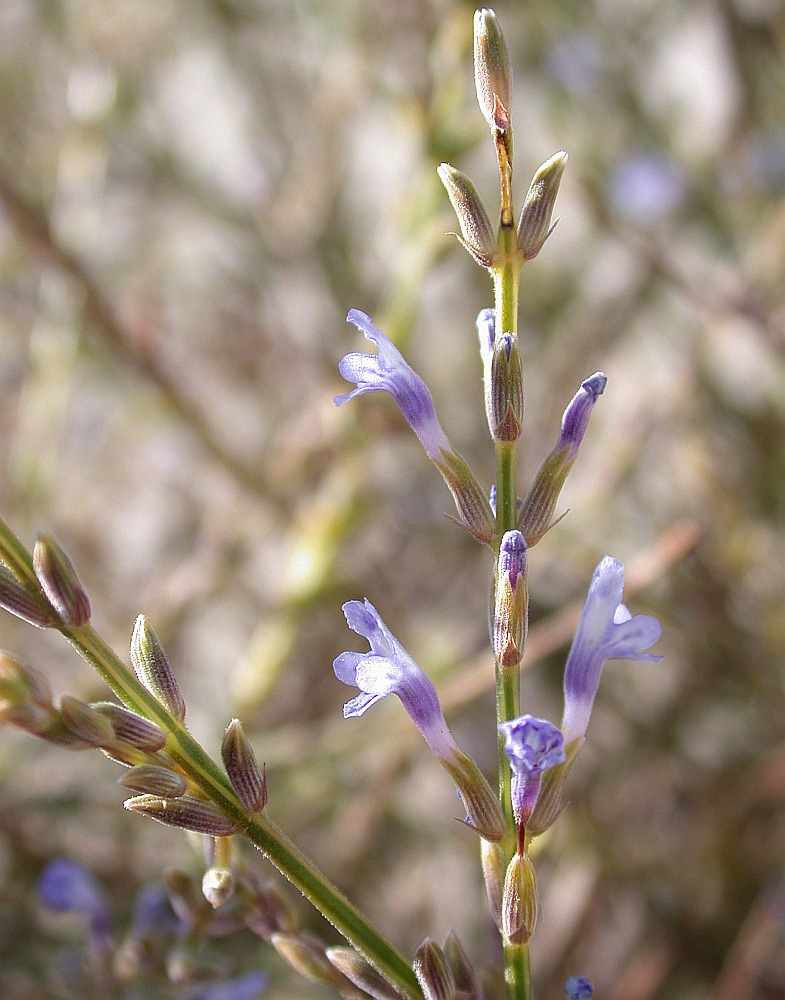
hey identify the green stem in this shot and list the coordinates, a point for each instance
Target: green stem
(204, 773)
(517, 971)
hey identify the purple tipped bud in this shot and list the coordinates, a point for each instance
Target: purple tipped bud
(520, 903)
(247, 779)
(186, 812)
(352, 965)
(492, 70)
(433, 972)
(154, 670)
(59, 581)
(511, 611)
(576, 416)
(578, 988)
(506, 390)
(477, 233)
(131, 728)
(217, 886)
(16, 600)
(535, 226)
(537, 511)
(153, 779)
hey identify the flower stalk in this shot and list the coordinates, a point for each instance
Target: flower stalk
(214, 787)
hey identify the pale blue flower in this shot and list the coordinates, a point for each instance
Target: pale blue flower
(387, 371)
(533, 746)
(606, 631)
(578, 988)
(65, 886)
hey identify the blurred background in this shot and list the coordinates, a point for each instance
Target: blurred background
(192, 195)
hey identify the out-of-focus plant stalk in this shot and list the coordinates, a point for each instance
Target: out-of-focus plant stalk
(184, 750)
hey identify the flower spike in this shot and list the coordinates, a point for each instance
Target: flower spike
(606, 631)
(387, 371)
(388, 669)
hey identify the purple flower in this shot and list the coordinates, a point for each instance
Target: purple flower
(247, 987)
(67, 887)
(388, 669)
(578, 988)
(533, 746)
(576, 416)
(606, 631)
(388, 372)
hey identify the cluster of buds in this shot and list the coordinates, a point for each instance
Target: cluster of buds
(446, 973)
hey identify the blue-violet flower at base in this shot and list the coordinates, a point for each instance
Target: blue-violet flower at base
(533, 746)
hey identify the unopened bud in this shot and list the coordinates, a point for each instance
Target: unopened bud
(132, 728)
(492, 70)
(536, 514)
(307, 956)
(492, 857)
(505, 386)
(154, 670)
(153, 779)
(519, 904)
(217, 886)
(352, 965)
(16, 600)
(58, 579)
(19, 683)
(85, 723)
(511, 611)
(186, 812)
(247, 779)
(433, 973)
(466, 983)
(476, 231)
(535, 226)
(484, 814)
(473, 506)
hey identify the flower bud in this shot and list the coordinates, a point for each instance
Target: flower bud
(511, 611)
(132, 728)
(154, 670)
(16, 600)
(519, 903)
(186, 812)
(476, 231)
(217, 886)
(484, 814)
(492, 857)
(535, 226)
(85, 723)
(153, 779)
(20, 684)
(352, 965)
(474, 509)
(506, 390)
(492, 70)
(58, 579)
(466, 983)
(306, 955)
(247, 780)
(265, 910)
(433, 973)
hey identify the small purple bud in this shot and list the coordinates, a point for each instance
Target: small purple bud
(576, 416)
(578, 988)
(153, 668)
(17, 601)
(511, 609)
(433, 973)
(59, 581)
(186, 812)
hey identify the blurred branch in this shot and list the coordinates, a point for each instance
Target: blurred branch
(36, 232)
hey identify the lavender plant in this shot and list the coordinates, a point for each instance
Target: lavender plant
(177, 783)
